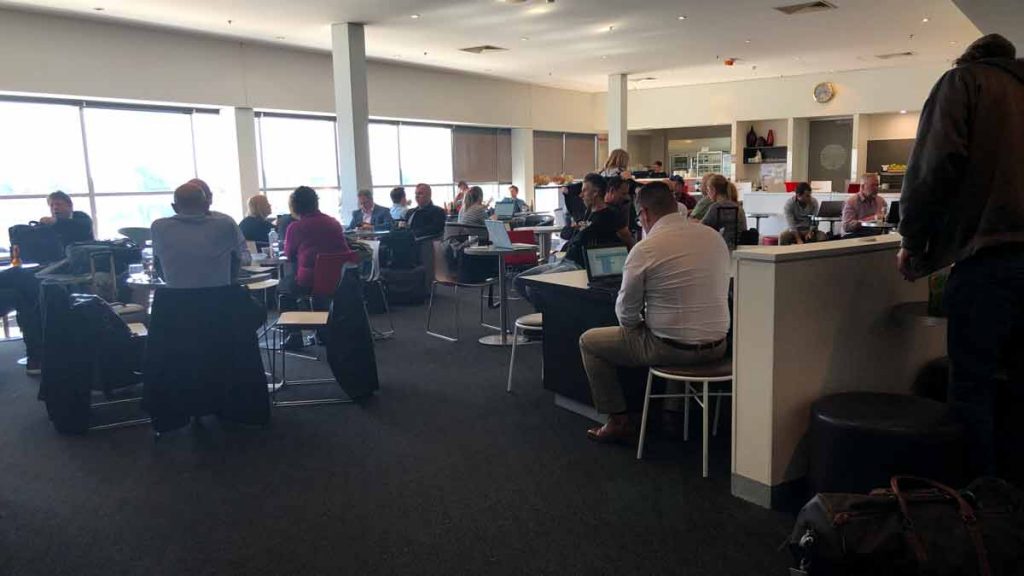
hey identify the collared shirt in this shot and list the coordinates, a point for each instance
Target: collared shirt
(198, 251)
(858, 209)
(680, 273)
(77, 228)
(312, 234)
(798, 216)
(367, 215)
(398, 211)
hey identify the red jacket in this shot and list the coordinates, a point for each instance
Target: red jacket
(312, 234)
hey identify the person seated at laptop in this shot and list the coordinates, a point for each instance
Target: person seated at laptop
(426, 219)
(473, 212)
(256, 226)
(725, 215)
(399, 203)
(603, 226)
(672, 307)
(798, 210)
(312, 234)
(864, 206)
(513, 197)
(69, 224)
(369, 216)
(194, 248)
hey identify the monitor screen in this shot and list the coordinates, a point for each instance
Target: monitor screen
(609, 261)
(505, 209)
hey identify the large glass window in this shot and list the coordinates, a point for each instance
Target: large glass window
(299, 151)
(384, 165)
(41, 150)
(139, 151)
(426, 154)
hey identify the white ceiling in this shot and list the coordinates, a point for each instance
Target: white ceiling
(569, 44)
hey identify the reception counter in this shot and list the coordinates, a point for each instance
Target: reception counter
(813, 320)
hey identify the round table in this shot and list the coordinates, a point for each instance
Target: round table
(757, 216)
(503, 338)
(543, 236)
(831, 222)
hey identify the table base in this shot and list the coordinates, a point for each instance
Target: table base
(496, 340)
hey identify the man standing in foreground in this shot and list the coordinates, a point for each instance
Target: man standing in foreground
(963, 202)
(672, 306)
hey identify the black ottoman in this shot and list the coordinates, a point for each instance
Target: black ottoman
(861, 439)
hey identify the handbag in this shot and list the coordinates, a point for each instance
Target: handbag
(37, 243)
(932, 530)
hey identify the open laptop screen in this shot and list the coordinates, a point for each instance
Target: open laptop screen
(505, 210)
(605, 262)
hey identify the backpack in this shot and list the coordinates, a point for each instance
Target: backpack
(38, 243)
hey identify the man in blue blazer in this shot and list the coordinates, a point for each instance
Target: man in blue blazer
(370, 216)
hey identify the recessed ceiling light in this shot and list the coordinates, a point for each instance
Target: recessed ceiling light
(604, 57)
(414, 16)
(525, 39)
(681, 17)
(903, 111)
(925, 19)
(611, 28)
(279, 37)
(952, 42)
(747, 41)
(99, 8)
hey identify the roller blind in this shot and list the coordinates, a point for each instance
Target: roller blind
(579, 154)
(547, 153)
(504, 155)
(475, 153)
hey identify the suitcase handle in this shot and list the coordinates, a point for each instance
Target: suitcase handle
(970, 520)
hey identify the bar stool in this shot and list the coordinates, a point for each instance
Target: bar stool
(531, 323)
(695, 376)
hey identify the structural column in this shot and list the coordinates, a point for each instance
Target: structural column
(522, 163)
(618, 131)
(352, 108)
(239, 133)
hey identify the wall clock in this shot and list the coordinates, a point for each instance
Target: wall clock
(824, 92)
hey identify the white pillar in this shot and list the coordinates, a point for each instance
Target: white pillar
(522, 162)
(237, 137)
(618, 130)
(352, 108)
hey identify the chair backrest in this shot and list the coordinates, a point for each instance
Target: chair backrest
(452, 229)
(727, 214)
(521, 258)
(327, 272)
(442, 271)
(137, 235)
(540, 220)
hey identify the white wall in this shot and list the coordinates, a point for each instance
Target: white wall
(891, 126)
(47, 54)
(865, 91)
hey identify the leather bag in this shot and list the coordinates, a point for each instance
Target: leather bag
(932, 530)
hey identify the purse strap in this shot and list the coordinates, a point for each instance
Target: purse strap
(965, 510)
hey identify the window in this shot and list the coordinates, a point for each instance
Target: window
(120, 211)
(384, 166)
(139, 151)
(299, 151)
(558, 153)
(42, 150)
(425, 153)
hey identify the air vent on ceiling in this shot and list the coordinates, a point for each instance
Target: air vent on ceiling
(892, 55)
(484, 48)
(806, 7)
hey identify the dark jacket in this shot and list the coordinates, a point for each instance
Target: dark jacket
(202, 357)
(256, 229)
(381, 218)
(964, 188)
(78, 228)
(426, 220)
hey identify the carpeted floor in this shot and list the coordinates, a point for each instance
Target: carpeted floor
(443, 473)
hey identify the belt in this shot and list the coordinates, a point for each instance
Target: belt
(693, 347)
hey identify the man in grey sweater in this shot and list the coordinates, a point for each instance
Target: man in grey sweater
(963, 202)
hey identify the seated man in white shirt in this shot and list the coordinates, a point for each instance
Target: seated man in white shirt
(672, 306)
(197, 248)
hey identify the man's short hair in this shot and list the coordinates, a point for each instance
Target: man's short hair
(988, 46)
(597, 181)
(658, 163)
(304, 201)
(513, 187)
(59, 195)
(362, 193)
(802, 188)
(397, 194)
(461, 184)
(657, 199)
(718, 185)
(615, 181)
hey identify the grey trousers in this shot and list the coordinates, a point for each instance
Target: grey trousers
(605, 349)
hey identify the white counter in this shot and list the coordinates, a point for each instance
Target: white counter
(812, 320)
(773, 203)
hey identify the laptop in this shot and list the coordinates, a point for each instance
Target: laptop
(505, 210)
(497, 232)
(604, 266)
(831, 209)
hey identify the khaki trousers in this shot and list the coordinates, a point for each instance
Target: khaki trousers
(605, 349)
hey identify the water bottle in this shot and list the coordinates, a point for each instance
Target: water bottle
(272, 237)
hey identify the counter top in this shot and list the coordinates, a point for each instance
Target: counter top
(571, 279)
(815, 250)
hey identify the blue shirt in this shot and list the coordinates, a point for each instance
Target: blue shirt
(398, 211)
(198, 251)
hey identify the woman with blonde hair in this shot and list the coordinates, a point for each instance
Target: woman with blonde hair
(256, 226)
(706, 198)
(617, 164)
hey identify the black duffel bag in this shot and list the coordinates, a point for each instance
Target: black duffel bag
(125, 252)
(36, 243)
(932, 530)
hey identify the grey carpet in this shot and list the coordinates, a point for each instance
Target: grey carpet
(442, 473)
